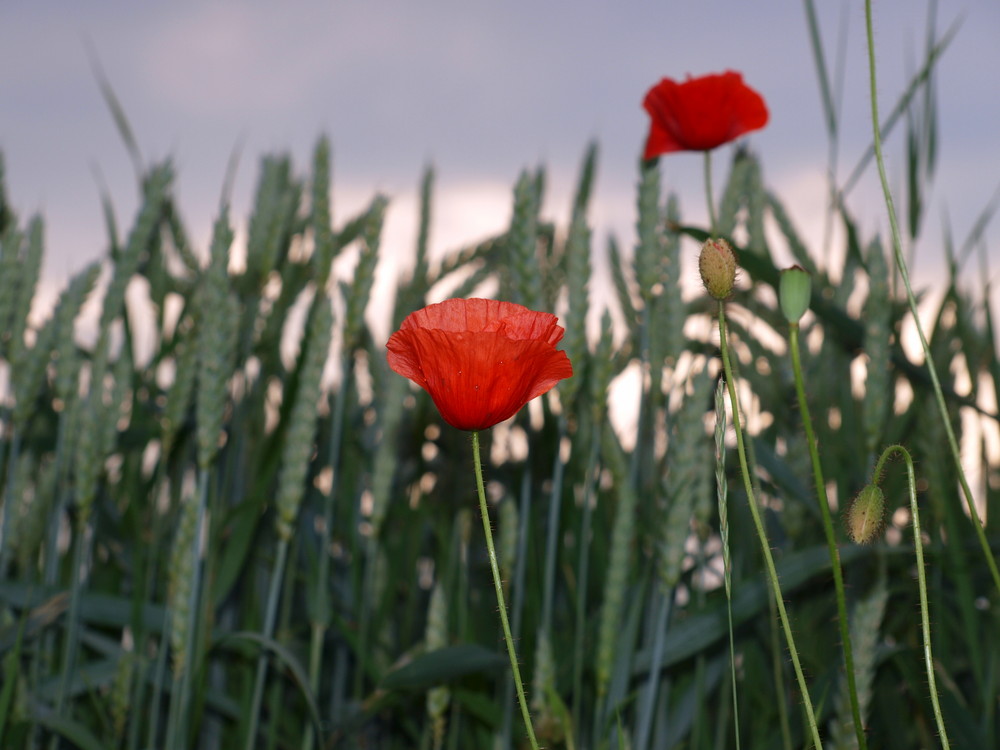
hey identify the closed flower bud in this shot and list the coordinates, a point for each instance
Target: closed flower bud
(794, 291)
(717, 265)
(866, 515)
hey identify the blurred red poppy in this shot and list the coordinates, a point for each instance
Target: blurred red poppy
(701, 113)
(481, 360)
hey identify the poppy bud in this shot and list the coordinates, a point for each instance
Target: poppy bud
(794, 291)
(866, 515)
(717, 265)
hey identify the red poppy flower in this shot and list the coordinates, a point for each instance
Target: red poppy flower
(701, 113)
(481, 360)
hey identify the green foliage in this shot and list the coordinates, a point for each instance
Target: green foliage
(384, 622)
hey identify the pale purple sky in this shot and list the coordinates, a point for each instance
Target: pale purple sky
(481, 90)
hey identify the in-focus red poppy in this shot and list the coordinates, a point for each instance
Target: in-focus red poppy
(481, 360)
(701, 113)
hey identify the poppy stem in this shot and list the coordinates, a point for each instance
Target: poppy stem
(831, 538)
(772, 571)
(712, 225)
(918, 547)
(498, 585)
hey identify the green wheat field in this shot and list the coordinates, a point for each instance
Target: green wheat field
(255, 535)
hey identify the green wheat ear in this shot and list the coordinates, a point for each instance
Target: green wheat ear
(616, 582)
(522, 239)
(689, 471)
(179, 584)
(218, 318)
(302, 422)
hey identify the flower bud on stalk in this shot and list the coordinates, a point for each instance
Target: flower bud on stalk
(717, 265)
(866, 515)
(794, 291)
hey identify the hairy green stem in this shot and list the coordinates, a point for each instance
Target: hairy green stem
(710, 200)
(918, 547)
(498, 585)
(762, 535)
(897, 247)
(831, 539)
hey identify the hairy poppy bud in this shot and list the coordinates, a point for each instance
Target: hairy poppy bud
(866, 515)
(717, 265)
(794, 291)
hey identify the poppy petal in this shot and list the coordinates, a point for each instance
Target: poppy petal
(701, 113)
(480, 360)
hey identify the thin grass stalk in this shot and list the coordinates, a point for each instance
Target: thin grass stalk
(270, 616)
(177, 722)
(901, 267)
(291, 487)
(81, 555)
(139, 691)
(498, 586)
(762, 534)
(778, 671)
(96, 436)
(174, 623)
(278, 688)
(159, 679)
(552, 529)
(178, 402)
(320, 613)
(831, 538)
(583, 573)
(831, 118)
(722, 493)
(647, 700)
(383, 471)
(698, 722)
(50, 572)
(902, 105)
(616, 577)
(918, 547)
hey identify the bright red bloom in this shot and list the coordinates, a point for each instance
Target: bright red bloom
(481, 360)
(701, 113)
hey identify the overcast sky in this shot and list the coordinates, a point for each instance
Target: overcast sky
(480, 90)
